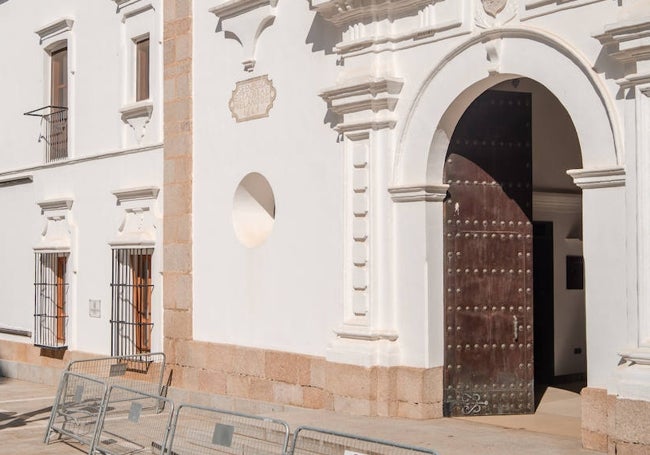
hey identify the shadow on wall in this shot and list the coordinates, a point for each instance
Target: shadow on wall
(322, 35)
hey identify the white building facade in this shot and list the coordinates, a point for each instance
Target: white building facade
(81, 180)
(408, 208)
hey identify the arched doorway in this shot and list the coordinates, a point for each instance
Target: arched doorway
(500, 261)
(417, 185)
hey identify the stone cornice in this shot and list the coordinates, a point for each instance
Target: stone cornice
(634, 80)
(366, 333)
(375, 95)
(366, 94)
(136, 194)
(54, 28)
(598, 177)
(371, 124)
(369, 85)
(139, 109)
(631, 38)
(55, 204)
(233, 8)
(345, 12)
(11, 181)
(418, 193)
(640, 356)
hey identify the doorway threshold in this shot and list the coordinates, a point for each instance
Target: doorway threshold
(558, 413)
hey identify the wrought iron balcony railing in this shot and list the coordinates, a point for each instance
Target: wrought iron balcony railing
(55, 131)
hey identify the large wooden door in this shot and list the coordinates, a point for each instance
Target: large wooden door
(488, 259)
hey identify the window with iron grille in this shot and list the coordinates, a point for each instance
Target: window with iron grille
(131, 287)
(50, 297)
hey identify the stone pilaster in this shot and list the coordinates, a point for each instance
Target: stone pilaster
(177, 222)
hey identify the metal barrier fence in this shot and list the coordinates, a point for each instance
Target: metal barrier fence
(132, 422)
(77, 407)
(142, 372)
(207, 431)
(93, 378)
(114, 406)
(316, 441)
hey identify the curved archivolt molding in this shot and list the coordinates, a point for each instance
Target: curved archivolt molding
(436, 111)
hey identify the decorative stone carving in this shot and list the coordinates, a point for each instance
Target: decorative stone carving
(346, 12)
(57, 229)
(235, 19)
(376, 96)
(627, 43)
(137, 116)
(495, 13)
(494, 7)
(252, 99)
(139, 221)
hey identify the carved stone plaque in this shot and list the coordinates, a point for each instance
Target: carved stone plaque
(494, 7)
(252, 98)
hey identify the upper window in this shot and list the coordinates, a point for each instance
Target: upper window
(142, 69)
(56, 117)
(50, 297)
(59, 78)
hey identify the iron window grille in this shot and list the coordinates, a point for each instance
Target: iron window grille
(55, 136)
(131, 288)
(50, 300)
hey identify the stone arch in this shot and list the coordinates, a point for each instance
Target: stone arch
(417, 189)
(484, 61)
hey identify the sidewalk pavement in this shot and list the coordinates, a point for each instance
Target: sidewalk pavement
(553, 429)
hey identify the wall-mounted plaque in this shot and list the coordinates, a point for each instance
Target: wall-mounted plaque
(252, 98)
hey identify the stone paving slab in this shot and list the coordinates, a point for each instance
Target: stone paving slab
(25, 409)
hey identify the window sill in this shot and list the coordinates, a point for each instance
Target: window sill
(136, 110)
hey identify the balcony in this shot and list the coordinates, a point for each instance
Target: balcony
(54, 122)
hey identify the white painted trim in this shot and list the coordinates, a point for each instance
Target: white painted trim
(345, 12)
(418, 193)
(233, 8)
(366, 333)
(16, 180)
(85, 159)
(639, 355)
(142, 108)
(598, 178)
(630, 37)
(16, 332)
(136, 194)
(536, 8)
(55, 204)
(135, 12)
(125, 244)
(368, 85)
(55, 28)
(371, 124)
(633, 80)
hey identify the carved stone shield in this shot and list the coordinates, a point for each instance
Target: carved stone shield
(494, 7)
